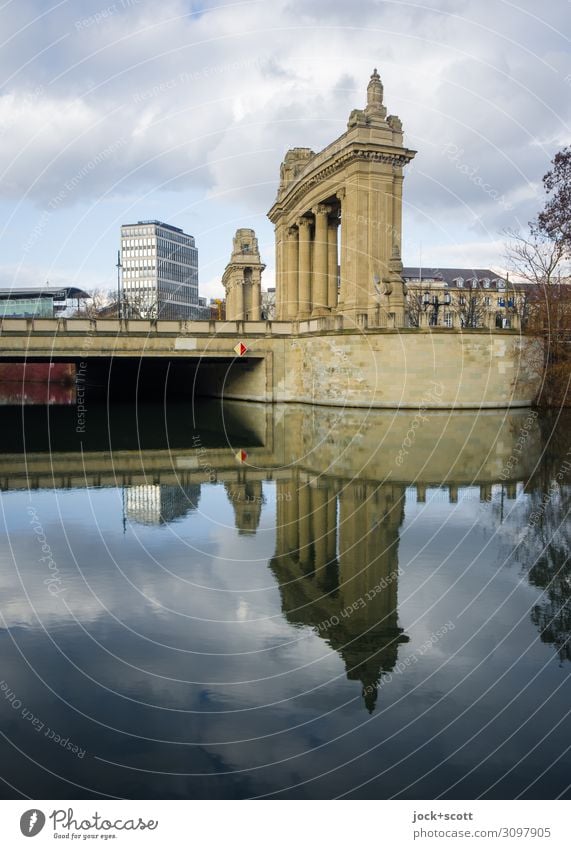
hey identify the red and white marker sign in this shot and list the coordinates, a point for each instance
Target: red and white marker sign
(240, 349)
(242, 456)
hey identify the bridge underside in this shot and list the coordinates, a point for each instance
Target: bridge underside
(147, 377)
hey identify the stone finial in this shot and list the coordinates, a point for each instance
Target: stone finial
(374, 92)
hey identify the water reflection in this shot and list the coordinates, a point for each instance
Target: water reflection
(38, 394)
(156, 504)
(546, 545)
(254, 585)
(336, 564)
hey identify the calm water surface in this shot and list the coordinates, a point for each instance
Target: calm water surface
(284, 601)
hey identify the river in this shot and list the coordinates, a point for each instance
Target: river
(284, 601)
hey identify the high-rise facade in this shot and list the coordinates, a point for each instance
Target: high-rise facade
(159, 272)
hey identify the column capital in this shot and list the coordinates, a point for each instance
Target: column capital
(322, 209)
(292, 232)
(303, 222)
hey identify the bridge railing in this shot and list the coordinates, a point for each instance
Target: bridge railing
(146, 327)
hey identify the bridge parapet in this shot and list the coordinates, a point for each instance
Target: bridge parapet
(158, 327)
(83, 326)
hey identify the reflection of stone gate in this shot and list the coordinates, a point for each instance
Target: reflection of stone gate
(355, 182)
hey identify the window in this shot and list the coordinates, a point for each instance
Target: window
(501, 302)
(487, 301)
(459, 282)
(486, 282)
(448, 319)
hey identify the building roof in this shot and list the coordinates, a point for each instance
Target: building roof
(58, 293)
(157, 224)
(450, 276)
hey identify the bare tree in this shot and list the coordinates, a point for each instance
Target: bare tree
(414, 307)
(538, 261)
(135, 305)
(470, 306)
(555, 219)
(533, 257)
(92, 306)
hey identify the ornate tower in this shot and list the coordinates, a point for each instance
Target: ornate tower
(242, 278)
(354, 185)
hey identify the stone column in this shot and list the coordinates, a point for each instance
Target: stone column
(281, 274)
(397, 216)
(292, 273)
(356, 258)
(239, 304)
(342, 251)
(320, 255)
(304, 274)
(332, 262)
(256, 301)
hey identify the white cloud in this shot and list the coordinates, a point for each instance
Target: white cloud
(206, 103)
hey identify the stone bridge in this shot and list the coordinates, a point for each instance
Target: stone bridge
(327, 360)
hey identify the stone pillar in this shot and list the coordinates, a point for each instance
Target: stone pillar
(291, 307)
(320, 255)
(281, 274)
(332, 263)
(256, 302)
(397, 215)
(242, 278)
(239, 294)
(304, 273)
(356, 258)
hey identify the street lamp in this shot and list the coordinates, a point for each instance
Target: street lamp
(119, 267)
(429, 300)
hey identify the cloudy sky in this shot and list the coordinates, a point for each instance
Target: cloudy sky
(111, 112)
